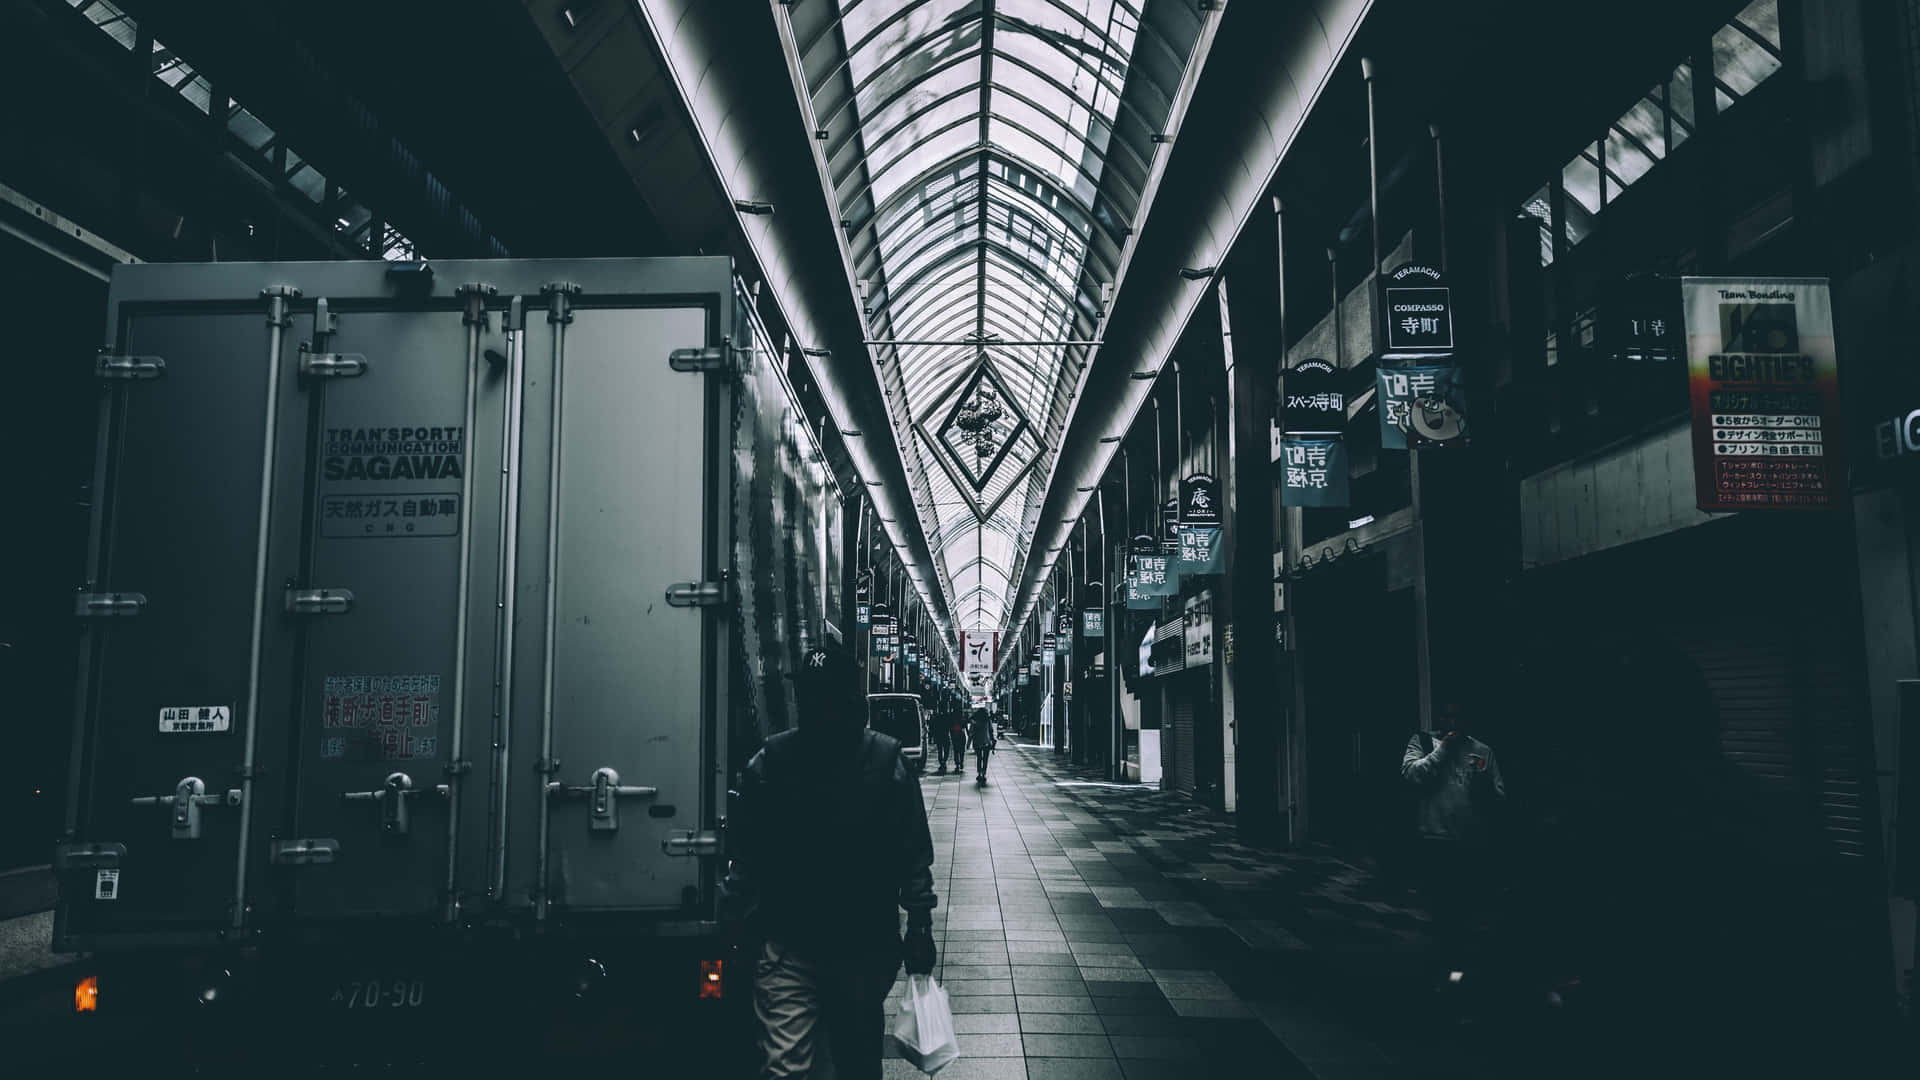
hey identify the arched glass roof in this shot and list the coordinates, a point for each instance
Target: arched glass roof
(988, 159)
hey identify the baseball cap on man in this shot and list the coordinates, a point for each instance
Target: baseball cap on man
(825, 676)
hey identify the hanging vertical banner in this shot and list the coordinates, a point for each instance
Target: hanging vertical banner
(1313, 472)
(1765, 386)
(1418, 309)
(980, 649)
(1170, 523)
(1312, 400)
(1093, 623)
(1153, 575)
(1200, 552)
(1137, 598)
(1198, 504)
(1430, 390)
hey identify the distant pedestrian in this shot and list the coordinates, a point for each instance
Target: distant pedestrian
(957, 736)
(828, 840)
(1459, 795)
(943, 736)
(980, 730)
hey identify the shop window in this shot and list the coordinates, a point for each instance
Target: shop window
(1581, 181)
(1539, 207)
(1746, 52)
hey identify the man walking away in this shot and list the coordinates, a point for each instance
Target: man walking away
(1460, 791)
(981, 732)
(828, 839)
(957, 736)
(941, 743)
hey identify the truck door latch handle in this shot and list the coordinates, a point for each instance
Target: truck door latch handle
(392, 796)
(189, 795)
(603, 797)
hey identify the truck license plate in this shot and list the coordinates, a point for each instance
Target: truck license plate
(392, 993)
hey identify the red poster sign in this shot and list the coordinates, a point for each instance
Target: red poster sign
(1765, 386)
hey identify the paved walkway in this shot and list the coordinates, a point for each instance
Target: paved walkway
(1093, 931)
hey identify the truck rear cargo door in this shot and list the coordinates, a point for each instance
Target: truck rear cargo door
(201, 413)
(630, 698)
(394, 475)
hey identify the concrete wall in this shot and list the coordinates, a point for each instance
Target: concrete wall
(1627, 493)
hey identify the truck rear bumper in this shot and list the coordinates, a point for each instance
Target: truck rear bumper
(661, 1000)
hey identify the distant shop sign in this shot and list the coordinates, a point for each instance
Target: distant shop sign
(1198, 629)
(1170, 523)
(1765, 389)
(1312, 399)
(1199, 502)
(1093, 623)
(1418, 309)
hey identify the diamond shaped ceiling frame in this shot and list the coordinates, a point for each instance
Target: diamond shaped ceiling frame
(964, 396)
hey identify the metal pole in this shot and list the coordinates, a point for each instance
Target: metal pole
(1113, 626)
(1339, 324)
(1373, 164)
(559, 314)
(1293, 742)
(1440, 190)
(278, 320)
(507, 583)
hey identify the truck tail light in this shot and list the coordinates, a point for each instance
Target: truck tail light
(711, 985)
(86, 994)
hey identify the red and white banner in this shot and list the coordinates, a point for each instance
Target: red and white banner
(979, 652)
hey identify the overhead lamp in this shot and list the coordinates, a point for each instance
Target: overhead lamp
(1150, 373)
(850, 433)
(876, 483)
(817, 352)
(1110, 438)
(1199, 274)
(761, 209)
(1085, 488)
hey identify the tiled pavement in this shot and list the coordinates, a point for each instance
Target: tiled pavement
(1090, 931)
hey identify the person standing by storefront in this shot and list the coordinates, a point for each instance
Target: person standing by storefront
(1459, 796)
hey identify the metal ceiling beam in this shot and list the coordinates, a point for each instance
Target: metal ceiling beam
(1273, 62)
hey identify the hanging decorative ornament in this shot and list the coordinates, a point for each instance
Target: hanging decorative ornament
(977, 418)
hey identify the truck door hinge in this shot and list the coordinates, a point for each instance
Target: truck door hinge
(712, 358)
(696, 594)
(692, 842)
(100, 605)
(305, 851)
(473, 298)
(319, 601)
(560, 296)
(109, 365)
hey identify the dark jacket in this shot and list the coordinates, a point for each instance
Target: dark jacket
(980, 730)
(827, 839)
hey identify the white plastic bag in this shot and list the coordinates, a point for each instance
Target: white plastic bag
(924, 1028)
